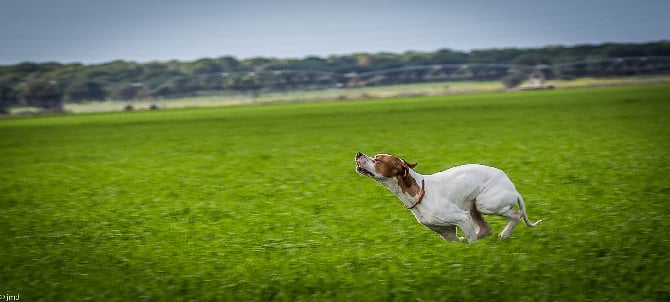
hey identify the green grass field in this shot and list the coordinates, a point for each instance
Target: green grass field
(257, 203)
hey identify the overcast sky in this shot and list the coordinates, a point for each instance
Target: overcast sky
(91, 31)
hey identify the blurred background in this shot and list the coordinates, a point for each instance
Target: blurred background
(83, 56)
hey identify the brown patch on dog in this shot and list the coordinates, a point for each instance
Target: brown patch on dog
(391, 166)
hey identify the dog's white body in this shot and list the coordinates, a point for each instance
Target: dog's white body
(452, 198)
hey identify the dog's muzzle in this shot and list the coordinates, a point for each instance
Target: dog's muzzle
(359, 158)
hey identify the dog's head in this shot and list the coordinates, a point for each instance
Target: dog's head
(383, 166)
(394, 173)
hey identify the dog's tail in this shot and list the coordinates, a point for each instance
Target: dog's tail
(522, 207)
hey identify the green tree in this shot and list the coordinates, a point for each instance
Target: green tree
(206, 66)
(7, 96)
(229, 63)
(86, 91)
(44, 94)
(531, 59)
(133, 91)
(448, 56)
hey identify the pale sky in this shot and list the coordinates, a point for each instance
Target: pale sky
(91, 31)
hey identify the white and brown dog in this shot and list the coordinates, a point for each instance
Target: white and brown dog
(452, 198)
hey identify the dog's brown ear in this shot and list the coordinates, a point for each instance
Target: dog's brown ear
(405, 171)
(405, 168)
(406, 164)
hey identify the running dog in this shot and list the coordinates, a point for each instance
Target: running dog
(456, 197)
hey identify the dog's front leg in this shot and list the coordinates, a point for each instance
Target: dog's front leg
(468, 228)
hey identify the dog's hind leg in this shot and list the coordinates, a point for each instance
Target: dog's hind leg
(484, 229)
(513, 218)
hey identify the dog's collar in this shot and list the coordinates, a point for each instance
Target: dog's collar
(420, 197)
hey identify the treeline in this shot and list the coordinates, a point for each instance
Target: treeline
(48, 85)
